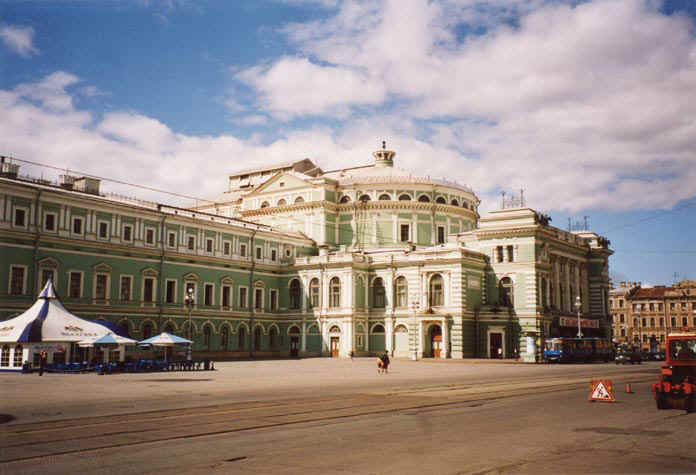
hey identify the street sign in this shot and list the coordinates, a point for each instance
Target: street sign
(601, 390)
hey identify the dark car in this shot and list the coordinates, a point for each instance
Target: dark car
(625, 357)
(654, 356)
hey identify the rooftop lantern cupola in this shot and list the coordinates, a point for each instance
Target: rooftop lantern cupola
(384, 157)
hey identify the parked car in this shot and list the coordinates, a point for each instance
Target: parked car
(654, 356)
(625, 357)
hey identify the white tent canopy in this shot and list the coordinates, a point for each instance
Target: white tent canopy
(48, 321)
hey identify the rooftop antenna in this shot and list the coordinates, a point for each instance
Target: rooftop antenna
(570, 228)
(521, 197)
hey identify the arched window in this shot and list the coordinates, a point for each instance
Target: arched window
(5, 356)
(295, 294)
(378, 328)
(365, 198)
(335, 293)
(314, 293)
(436, 291)
(265, 204)
(404, 197)
(465, 204)
(207, 332)
(224, 337)
(241, 336)
(384, 197)
(423, 199)
(378, 294)
(169, 328)
(273, 337)
(294, 331)
(335, 329)
(281, 202)
(299, 199)
(401, 292)
(147, 331)
(506, 292)
(441, 200)
(18, 354)
(454, 203)
(257, 338)
(345, 199)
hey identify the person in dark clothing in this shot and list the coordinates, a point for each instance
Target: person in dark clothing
(385, 362)
(43, 358)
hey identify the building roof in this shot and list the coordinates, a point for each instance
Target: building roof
(372, 174)
(657, 292)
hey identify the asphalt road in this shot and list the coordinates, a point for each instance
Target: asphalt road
(332, 416)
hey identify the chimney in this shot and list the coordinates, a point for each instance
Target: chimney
(7, 169)
(86, 185)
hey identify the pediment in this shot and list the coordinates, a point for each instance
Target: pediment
(281, 181)
(191, 276)
(149, 272)
(101, 267)
(48, 263)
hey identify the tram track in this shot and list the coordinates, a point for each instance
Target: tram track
(33, 441)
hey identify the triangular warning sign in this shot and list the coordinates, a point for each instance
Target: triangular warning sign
(601, 391)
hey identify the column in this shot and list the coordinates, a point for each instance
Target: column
(303, 294)
(303, 337)
(389, 335)
(419, 343)
(347, 338)
(445, 338)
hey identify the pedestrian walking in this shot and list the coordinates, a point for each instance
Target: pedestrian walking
(385, 362)
(500, 352)
(380, 365)
(352, 353)
(43, 358)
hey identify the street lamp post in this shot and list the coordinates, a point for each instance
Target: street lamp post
(578, 307)
(414, 340)
(189, 300)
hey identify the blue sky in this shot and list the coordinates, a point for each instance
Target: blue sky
(587, 105)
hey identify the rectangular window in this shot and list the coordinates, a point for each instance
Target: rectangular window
(103, 230)
(148, 289)
(48, 274)
(226, 296)
(127, 233)
(100, 286)
(510, 254)
(149, 236)
(662, 322)
(17, 275)
(171, 239)
(499, 255)
(274, 255)
(258, 299)
(226, 248)
(49, 222)
(126, 288)
(20, 218)
(170, 292)
(208, 295)
(440, 234)
(404, 235)
(652, 307)
(274, 299)
(77, 225)
(622, 319)
(671, 306)
(75, 285)
(209, 245)
(259, 252)
(243, 250)
(685, 322)
(673, 322)
(242, 297)
(683, 305)
(191, 243)
(644, 322)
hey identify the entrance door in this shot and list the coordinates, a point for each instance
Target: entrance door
(435, 341)
(294, 344)
(496, 345)
(334, 346)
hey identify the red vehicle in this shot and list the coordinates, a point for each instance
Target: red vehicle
(677, 386)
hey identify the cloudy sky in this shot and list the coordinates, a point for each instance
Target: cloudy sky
(589, 106)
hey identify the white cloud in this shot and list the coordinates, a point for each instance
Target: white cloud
(585, 106)
(19, 39)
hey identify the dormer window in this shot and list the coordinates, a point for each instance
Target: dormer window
(345, 199)
(265, 204)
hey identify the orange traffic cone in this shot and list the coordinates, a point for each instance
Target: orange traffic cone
(628, 388)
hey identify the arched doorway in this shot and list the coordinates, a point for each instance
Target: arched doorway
(294, 341)
(435, 334)
(334, 340)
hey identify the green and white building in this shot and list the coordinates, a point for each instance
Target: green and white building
(294, 260)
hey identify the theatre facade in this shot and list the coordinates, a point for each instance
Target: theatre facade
(292, 260)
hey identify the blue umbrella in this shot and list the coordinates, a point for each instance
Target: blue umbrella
(165, 339)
